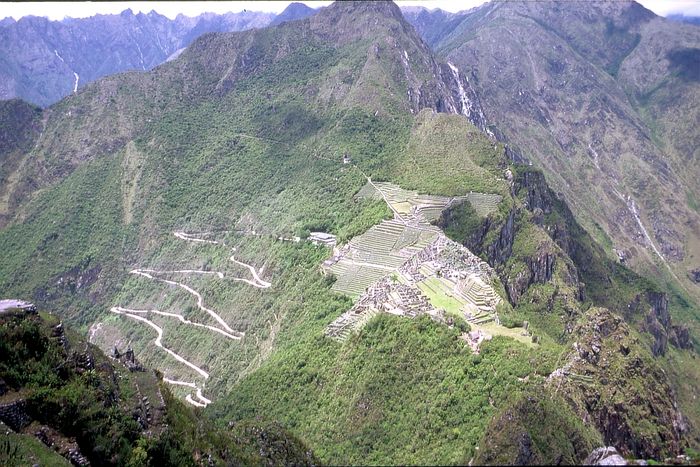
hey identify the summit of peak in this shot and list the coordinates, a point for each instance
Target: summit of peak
(384, 7)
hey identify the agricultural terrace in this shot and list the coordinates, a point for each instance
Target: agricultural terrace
(405, 202)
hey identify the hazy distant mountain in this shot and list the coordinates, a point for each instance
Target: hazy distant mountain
(433, 24)
(684, 19)
(6, 21)
(44, 60)
(294, 11)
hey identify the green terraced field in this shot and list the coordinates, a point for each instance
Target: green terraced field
(484, 203)
(353, 280)
(429, 206)
(379, 247)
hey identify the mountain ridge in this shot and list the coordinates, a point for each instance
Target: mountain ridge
(240, 145)
(66, 403)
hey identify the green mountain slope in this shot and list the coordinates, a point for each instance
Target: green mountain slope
(264, 159)
(378, 392)
(159, 211)
(19, 127)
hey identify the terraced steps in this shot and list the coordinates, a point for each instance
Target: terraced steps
(348, 323)
(484, 203)
(479, 293)
(408, 244)
(479, 315)
(355, 280)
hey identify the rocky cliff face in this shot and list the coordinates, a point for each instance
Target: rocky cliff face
(537, 191)
(645, 306)
(657, 322)
(586, 92)
(520, 246)
(613, 383)
(610, 379)
(608, 391)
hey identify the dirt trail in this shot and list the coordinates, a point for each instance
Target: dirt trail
(239, 335)
(257, 282)
(224, 329)
(158, 342)
(200, 301)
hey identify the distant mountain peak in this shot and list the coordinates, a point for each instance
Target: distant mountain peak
(384, 7)
(89, 48)
(294, 11)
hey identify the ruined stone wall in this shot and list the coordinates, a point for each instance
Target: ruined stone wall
(14, 414)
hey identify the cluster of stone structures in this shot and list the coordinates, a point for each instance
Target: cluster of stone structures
(466, 274)
(392, 267)
(398, 293)
(475, 338)
(322, 238)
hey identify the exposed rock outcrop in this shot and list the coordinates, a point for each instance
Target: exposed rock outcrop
(539, 270)
(128, 359)
(537, 191)
(605, 456)
(658, 323)
(500, 250)
(611, 381)
(77, 279)
(694, 275)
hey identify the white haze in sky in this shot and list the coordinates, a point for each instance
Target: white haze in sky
(60, 10)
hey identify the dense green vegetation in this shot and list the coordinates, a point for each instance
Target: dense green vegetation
(538, 428)
(97, 405)
(402, 391)
(474, 162)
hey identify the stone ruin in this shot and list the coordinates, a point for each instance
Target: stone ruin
(128, 359)
(401, 296)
